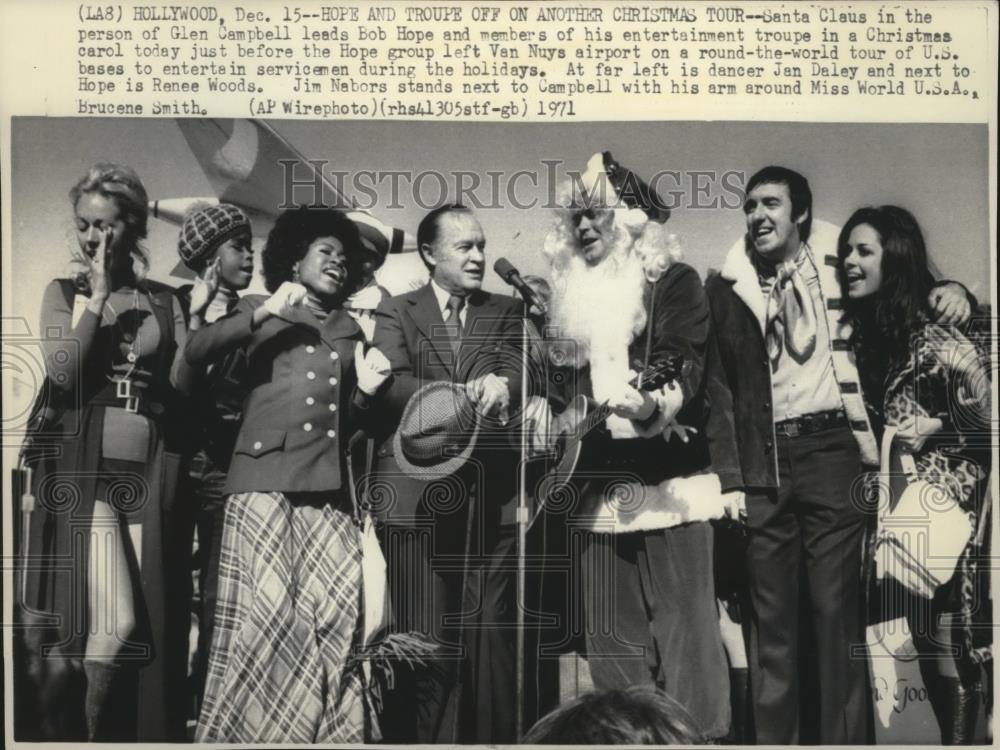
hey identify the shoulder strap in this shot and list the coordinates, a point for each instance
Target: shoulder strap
(649, 324)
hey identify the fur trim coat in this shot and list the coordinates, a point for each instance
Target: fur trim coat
(644, 476)
(738, 315)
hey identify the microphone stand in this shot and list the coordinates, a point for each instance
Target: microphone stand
(509, 274)
(522, 530)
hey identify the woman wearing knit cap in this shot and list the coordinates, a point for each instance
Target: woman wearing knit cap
(288, 614)
(106, 459)
(214, 243)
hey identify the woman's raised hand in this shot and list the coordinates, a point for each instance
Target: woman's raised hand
(912, 432)
(287, 297)
(205, 288)
(100, 274)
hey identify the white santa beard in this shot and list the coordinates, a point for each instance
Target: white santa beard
(600, 309)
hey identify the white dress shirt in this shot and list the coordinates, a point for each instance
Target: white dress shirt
(810, 386)
(442, 296)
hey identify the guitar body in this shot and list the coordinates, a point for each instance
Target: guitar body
(582, 417)
(569, 428)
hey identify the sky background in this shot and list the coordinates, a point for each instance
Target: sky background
(937, 171)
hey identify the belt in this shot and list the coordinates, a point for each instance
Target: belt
(809, 423)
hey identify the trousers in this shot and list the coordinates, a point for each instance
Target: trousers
(651, 618)
(812, 525)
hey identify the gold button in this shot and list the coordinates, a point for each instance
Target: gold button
(307, 426)
(310, 349)
(331, 433)
(333, 381)
(334, 355)
(310, 400)
(258, 445)
(333, 407)
(311, 375)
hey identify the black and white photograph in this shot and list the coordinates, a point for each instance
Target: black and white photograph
(607, 432)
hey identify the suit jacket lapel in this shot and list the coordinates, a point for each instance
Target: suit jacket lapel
(479, 335)
(426, 316)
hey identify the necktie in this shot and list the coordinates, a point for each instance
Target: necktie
(791, 317)
(452, 321)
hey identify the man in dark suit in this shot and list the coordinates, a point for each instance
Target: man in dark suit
(446, 536)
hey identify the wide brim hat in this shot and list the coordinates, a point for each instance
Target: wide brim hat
(437, 433)
(608, 183)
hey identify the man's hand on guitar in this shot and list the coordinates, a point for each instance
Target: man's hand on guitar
(631, 403)
(676, 429)
(490, 394)
(538, 421)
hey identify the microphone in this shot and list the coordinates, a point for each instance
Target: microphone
(508, 273)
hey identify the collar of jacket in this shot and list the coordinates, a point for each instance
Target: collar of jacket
(739, 270)
(338, 324)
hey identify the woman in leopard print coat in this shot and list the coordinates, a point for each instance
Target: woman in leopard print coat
(930, 382)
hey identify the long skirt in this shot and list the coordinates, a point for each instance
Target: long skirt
(286, 622)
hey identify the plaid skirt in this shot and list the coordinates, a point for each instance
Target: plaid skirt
(286, 621)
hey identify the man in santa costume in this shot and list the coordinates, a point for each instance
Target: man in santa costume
(621, 302)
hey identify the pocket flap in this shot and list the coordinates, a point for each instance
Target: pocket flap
(259, 442)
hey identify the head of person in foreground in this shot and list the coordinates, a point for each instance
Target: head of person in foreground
(634, 716)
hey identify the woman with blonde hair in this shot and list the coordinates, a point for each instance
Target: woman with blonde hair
(105, 460)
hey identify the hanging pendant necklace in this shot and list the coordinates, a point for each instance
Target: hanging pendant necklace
(124, 383)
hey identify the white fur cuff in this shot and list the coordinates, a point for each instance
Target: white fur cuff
(630, 506)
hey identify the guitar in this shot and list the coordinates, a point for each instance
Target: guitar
(582, 416)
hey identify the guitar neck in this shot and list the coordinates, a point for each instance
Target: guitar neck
(650, 378)
(599, 413)
(583, 416)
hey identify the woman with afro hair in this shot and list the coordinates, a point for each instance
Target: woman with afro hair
(288, 613)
